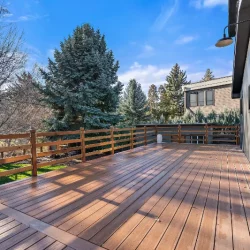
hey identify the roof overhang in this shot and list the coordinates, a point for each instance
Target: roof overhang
(232, 15)
(241, 46)
(218, 82)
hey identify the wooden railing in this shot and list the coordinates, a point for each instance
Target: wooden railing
(64, 146)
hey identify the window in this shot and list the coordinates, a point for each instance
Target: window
(210, 97)
(201, 98)
(196, 99)
(193, 99)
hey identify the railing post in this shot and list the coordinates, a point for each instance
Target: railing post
(82, 137)
(112, 140)
(179, 133)
(206, 134)
(145, 135)
(131, 139)
(156, 132)
(58, 146)
(33, 151)
(237, 135)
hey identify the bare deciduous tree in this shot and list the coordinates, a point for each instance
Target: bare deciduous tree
(12, 58)
(20, 108)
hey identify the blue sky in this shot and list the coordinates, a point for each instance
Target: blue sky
(146, 36)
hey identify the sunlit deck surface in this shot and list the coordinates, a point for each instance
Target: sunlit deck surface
(169, 196)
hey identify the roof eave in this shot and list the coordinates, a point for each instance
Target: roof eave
(232, 16)
(241, 47)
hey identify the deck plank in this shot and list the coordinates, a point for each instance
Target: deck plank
(187, 239)
(157, 231)
(151, 210)
(223, 238)
(239, 222)
(169, 196)
(132, 204)
(206, 234)
(152, 174)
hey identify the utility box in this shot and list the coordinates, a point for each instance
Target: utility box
(159, 138)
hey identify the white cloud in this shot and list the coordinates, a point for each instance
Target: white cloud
(165, 14)
(155, 74)
(25, 18)
(146, 74)
(185, 39)
(208, 3)
(148, 48)
(147, 51)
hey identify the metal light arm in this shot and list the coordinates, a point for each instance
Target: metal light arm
(231, 24)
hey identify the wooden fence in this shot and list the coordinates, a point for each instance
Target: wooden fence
(40, 149)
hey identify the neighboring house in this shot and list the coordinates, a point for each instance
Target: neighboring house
(240, 11)
(210, 95)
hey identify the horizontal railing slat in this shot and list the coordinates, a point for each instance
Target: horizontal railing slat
(94, 131)
(61, 142)
(14, 148)
(15, 171)
(98, 144)
(97, 152)
(121, 135)
(56, 133)
(123, 146)
(15, 136)
(122, 140)
(61, 151)
(62, 160)
(97, 138)
(15, 159)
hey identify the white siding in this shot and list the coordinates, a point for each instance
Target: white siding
(245, 106)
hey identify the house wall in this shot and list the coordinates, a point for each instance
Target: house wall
(245, 118)
(222, 101)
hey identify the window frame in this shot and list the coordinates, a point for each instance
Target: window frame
(212, 100)
(196, 101)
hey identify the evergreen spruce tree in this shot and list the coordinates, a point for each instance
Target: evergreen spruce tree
(172, 100)
(153, 103)
(133, 105)
(81, 83)
(208, 76)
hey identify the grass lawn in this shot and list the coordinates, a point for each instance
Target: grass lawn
(19, 176)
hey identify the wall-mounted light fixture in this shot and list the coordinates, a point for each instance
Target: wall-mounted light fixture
(226, 40)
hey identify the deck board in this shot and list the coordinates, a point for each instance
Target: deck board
(169, 196)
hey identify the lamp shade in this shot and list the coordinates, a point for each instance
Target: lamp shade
(223, 42)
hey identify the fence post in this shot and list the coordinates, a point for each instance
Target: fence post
(206, 134)
(131, 139)
(33, 151)
(237, 135)
(112, 140)
(156, 132)
(145, 135)
(58, 146)
(179, 133)
(82, 137)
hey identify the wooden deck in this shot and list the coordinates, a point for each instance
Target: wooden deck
(169, 196)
